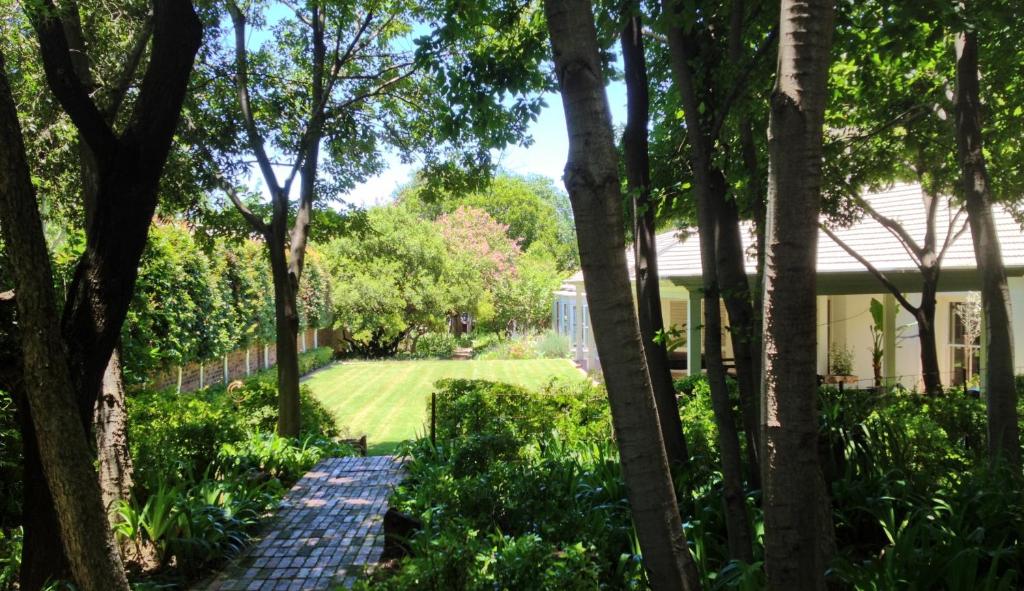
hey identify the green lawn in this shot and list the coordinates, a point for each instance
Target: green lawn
(388, 400)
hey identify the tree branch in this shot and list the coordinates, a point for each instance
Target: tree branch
(64, 82)
(120, 90)
(871, 269)
(741, 82)
(254, 219)
(256, 142)
(952, 237)
(895, 228)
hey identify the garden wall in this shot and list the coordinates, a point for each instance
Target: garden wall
(237, 364)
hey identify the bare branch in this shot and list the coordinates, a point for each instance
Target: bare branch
(871, 269)
(895, 228)
(951, 236)
(256, 141)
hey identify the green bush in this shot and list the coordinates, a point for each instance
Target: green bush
(538, 467)
(178, 436)
(552, 345)
(435, 345)
(10, 464)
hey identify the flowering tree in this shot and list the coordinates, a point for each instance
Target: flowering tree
(481, 254)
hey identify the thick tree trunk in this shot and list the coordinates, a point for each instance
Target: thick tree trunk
(789, 413)
(592, 179)
(1000, 391)
(62, 440)
(648, 290)
(709, 188)
(128, 170)
(111, 433)
(43, 559)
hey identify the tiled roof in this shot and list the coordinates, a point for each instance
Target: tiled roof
(679, 250)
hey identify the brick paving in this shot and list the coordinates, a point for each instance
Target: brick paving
(328, 528)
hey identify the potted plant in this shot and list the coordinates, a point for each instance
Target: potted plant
(840, 365)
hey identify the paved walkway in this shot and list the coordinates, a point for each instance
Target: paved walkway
(329, 526)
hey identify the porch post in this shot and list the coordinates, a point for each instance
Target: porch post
(889, 339)
(577, 327)
(591, 345)
(1016, 285)
(983, 356)
(554, 315)
(693, 323)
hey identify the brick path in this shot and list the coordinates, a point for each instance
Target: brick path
(329, 526)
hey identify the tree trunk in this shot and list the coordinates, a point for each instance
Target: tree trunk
(61, 437)
(789, 413)
(1000, 391)
(287, 323)
(736, 295)
(925, 315)
(709, 188)
(592, 179)
(648, 290)
(43, 559)
(111, 433)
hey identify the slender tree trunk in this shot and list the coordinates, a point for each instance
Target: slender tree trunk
(287, 323)
(592, 179)
(61, 437)
(708, 187)
(925, 316)
(736, 295)
(1000, 391)
(648, 290)
(789, 412)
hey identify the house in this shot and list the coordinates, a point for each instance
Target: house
(845, 291)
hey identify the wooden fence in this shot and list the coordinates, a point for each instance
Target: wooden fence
(237, 364)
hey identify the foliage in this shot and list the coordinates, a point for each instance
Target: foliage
(552, 345)
(10, 464)
(435, 345)
(534, 468)
(177, 312)
(392, 282)
(10, 557)
(208, 467)
(179, 436)
(840, 359)
(538, 214)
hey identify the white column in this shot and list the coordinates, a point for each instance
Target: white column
(226, 376)
(693, 333)
(822, 319)
(889, 312)
(202, 375)
(247, 369)
(578, 327)
(1016, 285)
(266, 356)
(592, 361)
(315, 333)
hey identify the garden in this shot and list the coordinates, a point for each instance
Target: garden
(245, 244)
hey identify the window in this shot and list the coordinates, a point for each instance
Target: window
(965, 340)
(574, 325)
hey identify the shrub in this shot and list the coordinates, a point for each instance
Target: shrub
(552, 345)
(436, 345)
